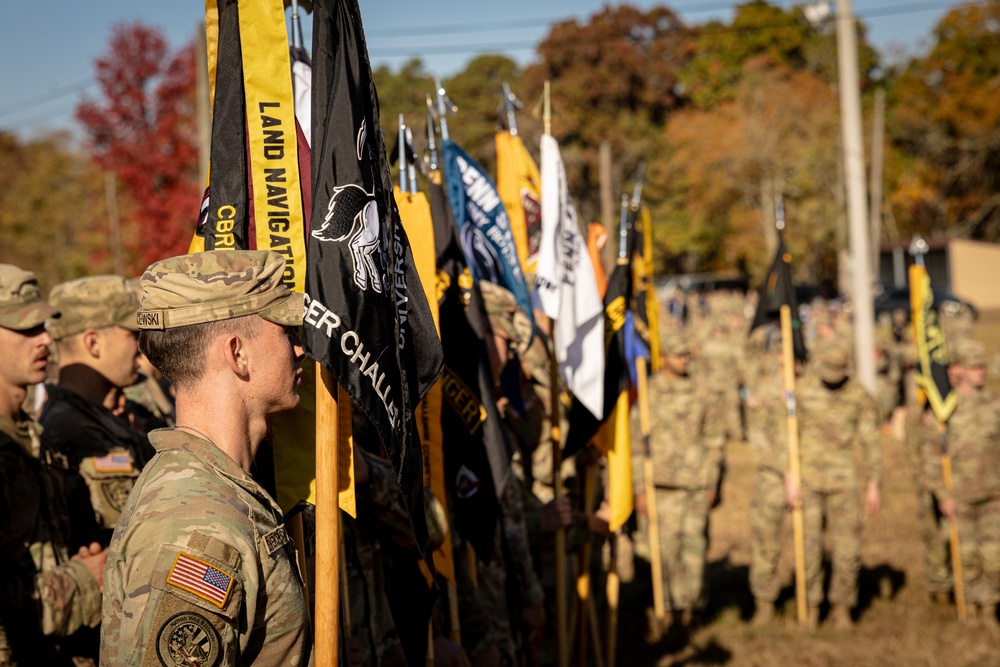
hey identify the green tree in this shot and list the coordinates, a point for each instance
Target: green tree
(52, 215)
(943, 169)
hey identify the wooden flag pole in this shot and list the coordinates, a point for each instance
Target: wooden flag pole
(327, 622)
(956, 554)
(612, 590)
(652, 515)
(555, 438)
(794, 470)
(583, 578)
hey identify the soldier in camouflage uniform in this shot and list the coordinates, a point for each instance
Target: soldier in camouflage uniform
(96, 339)
(688, 461)
(834, 413)
(766, 426)
(45, 596)
(974, 447)
(511, 334)
(201, 569)
(719, 364)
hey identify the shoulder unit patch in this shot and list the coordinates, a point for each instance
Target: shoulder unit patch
(188, 639)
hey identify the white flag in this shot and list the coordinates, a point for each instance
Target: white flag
(567, 289)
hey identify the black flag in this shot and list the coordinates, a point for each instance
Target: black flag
(777, 292)
(583, 424)
(363, 321)
(476, 453)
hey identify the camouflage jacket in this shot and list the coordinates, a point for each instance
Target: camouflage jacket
(974, 447)
(687, 437)
(830, 424)
(767, 421)
(200, 568)
(42, 591)
(103, 450)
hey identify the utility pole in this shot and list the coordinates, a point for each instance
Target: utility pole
(114, 222)
(854, 166)
(202, 105)
(607, 206)
(878, 143)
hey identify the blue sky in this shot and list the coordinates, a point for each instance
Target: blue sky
(48, 50)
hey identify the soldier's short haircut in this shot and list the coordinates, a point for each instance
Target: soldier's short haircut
(179, 353)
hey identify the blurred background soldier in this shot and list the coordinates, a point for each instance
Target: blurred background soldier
(96, 340)
(835, 413)
(45, 596)
(688, 461)
(767, 427)
(974, 446)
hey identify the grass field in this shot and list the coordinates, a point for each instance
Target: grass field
(896, 623)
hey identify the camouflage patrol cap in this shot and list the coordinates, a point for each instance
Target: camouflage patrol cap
(968, 352)
(506, 317)
(676, 345)
(93, 303)
(832, 363)
(21, 304)
(217, 285)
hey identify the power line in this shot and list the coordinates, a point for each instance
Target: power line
(522, 45)
(46, 97)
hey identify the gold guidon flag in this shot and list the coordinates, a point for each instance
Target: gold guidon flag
(932, 353)
(519, 184)
(415, 213)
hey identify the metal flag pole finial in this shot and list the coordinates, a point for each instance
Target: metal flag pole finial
(779, 212)
(640, 178)
(623, 231)
(401, 155)
(547, 108)
(411, 163)
(919, 248)
(431, 139)
(508, 106)
(296, 26)
(444, 107)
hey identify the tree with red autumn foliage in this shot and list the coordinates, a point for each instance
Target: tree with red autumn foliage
(142, 129)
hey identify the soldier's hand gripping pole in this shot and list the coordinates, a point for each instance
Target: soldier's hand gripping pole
(794, 471)
(956, 555)
(652, 516)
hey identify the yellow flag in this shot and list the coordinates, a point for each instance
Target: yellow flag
(293, 435)
(415, 212)
(519, 185)
(270, 114)
(652, 305)
(614, 439)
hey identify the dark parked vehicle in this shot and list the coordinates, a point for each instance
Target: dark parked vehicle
(893, 298)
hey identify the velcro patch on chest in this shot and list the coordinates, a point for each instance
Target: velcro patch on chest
(198, 577)
(274, 540)
(113, 462)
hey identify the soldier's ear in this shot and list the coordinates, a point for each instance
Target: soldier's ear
(235, 352)
(92, 342)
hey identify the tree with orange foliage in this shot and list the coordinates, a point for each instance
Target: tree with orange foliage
(143, 131)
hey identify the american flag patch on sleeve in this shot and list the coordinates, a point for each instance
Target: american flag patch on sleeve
(116, 462)
(198, 577)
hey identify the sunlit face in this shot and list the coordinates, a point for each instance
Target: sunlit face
(678, 363)
(276, 356)
(24, 356)
(118, 356)
(975, 376)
